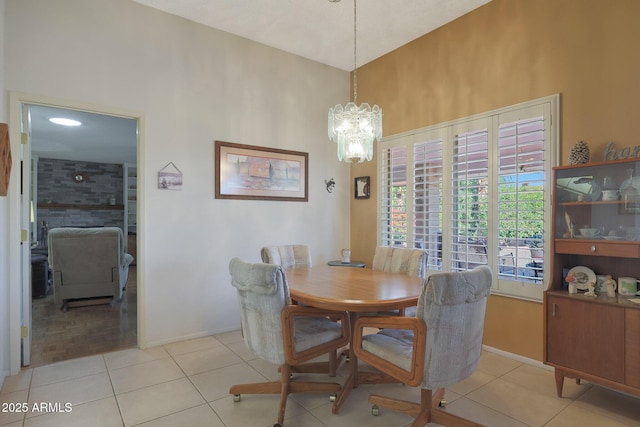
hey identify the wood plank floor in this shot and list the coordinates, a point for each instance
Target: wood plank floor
(83, 331)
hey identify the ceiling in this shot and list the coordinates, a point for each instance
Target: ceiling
(320, 30)
(100, 138)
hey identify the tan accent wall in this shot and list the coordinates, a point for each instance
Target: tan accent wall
(506, 52)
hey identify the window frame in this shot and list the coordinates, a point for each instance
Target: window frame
(548, 108)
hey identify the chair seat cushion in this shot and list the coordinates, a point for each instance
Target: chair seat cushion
(393, 345)
(313, 331)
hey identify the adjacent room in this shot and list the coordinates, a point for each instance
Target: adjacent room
(84, 175)
(466, 241)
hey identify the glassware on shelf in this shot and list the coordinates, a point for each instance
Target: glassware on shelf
(628, 188)
(596, 191)
(608, 183)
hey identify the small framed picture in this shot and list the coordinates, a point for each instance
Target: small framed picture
(170, 178)
(362, 187)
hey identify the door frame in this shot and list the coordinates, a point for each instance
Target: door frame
(19, 281)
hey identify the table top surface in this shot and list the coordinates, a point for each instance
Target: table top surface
(353, 289)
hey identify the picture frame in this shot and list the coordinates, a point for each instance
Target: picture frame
(362, 186)
(5, 159)
(630, 205)
(250, 172)
(170, 177)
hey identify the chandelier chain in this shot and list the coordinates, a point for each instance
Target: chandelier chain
(355, 64)
(353, 127)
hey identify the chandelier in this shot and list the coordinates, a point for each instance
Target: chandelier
(353, 128)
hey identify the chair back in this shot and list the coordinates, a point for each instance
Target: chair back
(287, 256)
(87, 262)
(400, 260)
(452, 306)
(262, 293)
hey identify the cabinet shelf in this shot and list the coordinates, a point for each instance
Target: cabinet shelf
(79, 206)
(586, 337)
(593, 203)
(617, 301)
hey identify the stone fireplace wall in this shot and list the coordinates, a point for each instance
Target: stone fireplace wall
(64, 203)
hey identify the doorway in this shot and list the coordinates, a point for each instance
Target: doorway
(103, 150)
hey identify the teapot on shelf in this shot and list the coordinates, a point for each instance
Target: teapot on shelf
(610, 286)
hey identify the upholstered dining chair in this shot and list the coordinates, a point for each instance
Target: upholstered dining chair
(299, 256)
(438, 347)
(400, 260)
(288, 256)
(412, 262)
(282, 333)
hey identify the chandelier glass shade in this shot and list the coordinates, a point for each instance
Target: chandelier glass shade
(354, 127)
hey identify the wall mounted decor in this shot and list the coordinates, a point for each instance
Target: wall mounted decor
(82, 177)
(331, 184)
(260, 173)
(5, 159)
(362, 184)
(612, 153)
(170, 177)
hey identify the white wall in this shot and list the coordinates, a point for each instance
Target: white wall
(4, 226)
(192, 85)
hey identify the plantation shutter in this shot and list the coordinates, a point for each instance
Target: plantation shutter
(521, 195)
(427, 204)
(475, 191)
(469, 199)
(393, 212)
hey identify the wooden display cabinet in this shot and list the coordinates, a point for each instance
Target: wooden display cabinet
(595, 338)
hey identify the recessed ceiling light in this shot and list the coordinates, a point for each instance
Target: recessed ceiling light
(64, 122)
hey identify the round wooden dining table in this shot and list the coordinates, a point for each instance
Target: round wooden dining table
(355, 290)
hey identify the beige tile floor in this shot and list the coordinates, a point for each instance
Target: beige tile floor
(186, 384)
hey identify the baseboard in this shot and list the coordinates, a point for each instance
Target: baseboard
(517, 357)
(186, 337)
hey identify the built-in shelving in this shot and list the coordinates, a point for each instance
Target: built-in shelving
(79, 206)
(130, 197)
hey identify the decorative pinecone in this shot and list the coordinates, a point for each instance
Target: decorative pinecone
(579, 153)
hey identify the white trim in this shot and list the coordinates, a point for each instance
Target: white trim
(553, 99)
(549, 106)
(16, 100)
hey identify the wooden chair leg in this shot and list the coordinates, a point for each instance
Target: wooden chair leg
(284, 392)
(439, 416)
(424, 412)
(404, 406)
(333, 363)
(256, 388)
(330, 367)
(284, 387)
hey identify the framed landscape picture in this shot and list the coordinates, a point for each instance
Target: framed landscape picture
(260, 173)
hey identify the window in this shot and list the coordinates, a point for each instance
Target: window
(394, 200)
(469, 228)
(427, 195)
(488, 203)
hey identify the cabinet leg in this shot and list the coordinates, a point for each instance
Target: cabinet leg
(559, 381)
